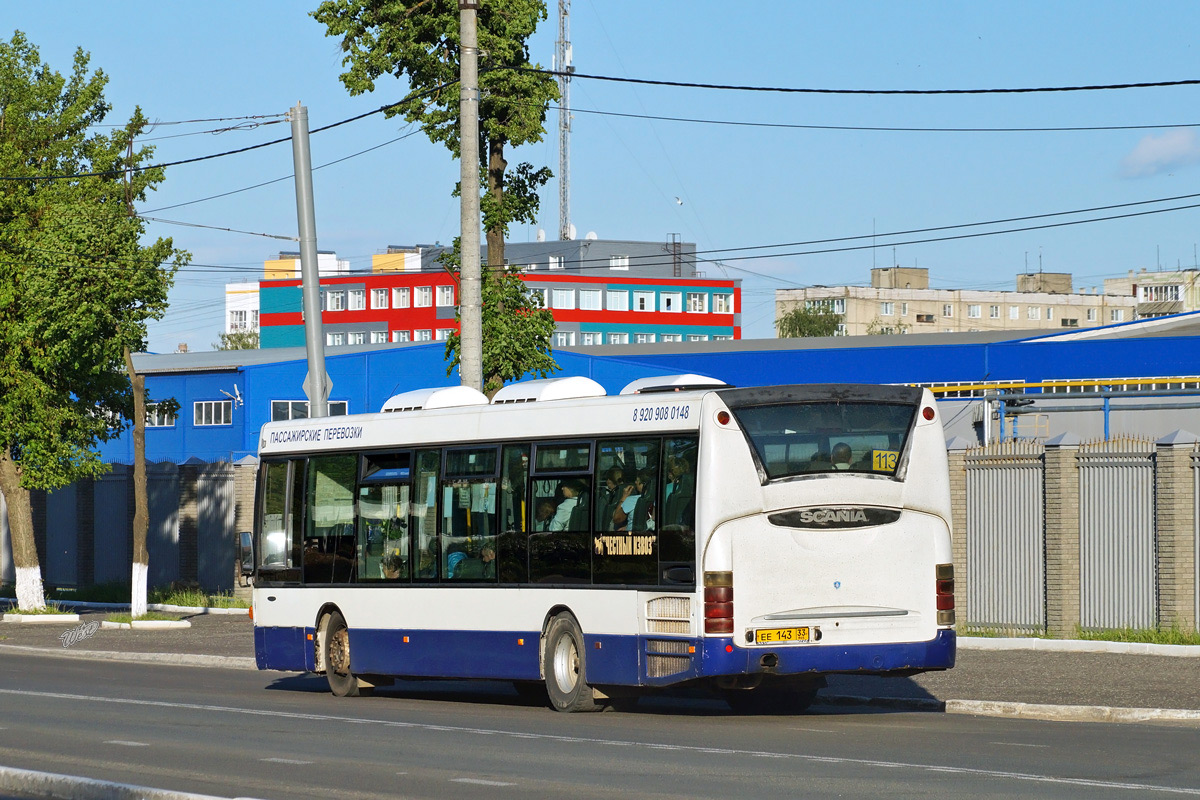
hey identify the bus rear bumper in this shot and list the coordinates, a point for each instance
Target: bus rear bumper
(722, 657)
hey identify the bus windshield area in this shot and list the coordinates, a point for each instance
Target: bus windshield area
(797, 439)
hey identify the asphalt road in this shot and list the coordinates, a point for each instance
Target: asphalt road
(242, 733)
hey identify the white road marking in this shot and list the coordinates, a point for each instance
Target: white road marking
(1017, 744)
(480, 782)
(857, 762)
(285, 761)
(127, 744)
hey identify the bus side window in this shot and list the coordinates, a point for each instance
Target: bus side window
(424, 513)
(329, 537)
(278, 547)
(512, 550)
(625, 544)
(676, 532)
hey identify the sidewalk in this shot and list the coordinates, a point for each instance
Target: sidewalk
(1059, 685)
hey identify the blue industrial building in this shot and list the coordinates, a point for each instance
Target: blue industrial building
(225, 397)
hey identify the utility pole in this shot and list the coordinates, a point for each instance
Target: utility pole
(563, 59)
(470, 292)
(316, 383)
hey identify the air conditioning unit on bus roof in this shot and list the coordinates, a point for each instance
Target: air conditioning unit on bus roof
(673, 383)
(441, 397)
(545, 389)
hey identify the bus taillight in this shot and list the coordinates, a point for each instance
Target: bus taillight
(718, 602)
(945, 594)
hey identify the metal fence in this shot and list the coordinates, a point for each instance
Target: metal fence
(1006, 570)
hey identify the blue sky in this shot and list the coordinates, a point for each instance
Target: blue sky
(721, 186)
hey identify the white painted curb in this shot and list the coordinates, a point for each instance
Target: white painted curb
(1078, 646)
(48, 784)
(996, 708)
(158, 607)
(41, 619)
(173, 659)
(147, 624)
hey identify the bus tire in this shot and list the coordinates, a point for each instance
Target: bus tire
(771, 700)
(563, 664)
(342, 682)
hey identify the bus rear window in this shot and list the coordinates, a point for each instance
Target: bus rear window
(826, 437)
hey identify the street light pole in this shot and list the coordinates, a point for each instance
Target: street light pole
(470, 299)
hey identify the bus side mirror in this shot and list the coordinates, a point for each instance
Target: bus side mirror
(246, 553)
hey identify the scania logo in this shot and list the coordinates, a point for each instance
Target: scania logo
(835, 517)
(823, 516)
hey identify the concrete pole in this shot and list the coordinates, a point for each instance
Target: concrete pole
(316, 384)
(470, 299)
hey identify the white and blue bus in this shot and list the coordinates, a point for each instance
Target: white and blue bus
(590, 548)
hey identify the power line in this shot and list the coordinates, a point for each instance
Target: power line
(799, 90)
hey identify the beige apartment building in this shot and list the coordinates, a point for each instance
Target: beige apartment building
(1158, 293)
(900, 301)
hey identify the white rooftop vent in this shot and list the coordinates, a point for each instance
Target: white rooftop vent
(443, 397)
(548, 389)
(673, 383)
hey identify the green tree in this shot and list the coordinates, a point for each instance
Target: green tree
(878, 327)
(237, 340)
(419, 39)
(77, 285)
(803, 320)
(516, 329)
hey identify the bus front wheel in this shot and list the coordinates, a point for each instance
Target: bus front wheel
(563, 665)
(342, 682)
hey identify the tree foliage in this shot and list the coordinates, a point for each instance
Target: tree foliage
(77, 285)
(804, 321)
(419, 40)
(237, 340)
(516, 329)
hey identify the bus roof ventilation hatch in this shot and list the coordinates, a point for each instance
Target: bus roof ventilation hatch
(673, 383)
(548, 389)
(441, 397)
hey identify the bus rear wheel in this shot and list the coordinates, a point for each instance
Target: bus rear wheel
(342, 682)
(563, 663)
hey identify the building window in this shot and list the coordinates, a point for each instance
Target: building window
(643, 301)
(401, 336)
(378, 337)
(401, 298)
(588, 339)
(722, 303)
(836, 305)
(539, 297)
(643, 338)
(974, 312)
(841, 328)
(697, 302)
(1014, 312)
(556, 262)
(356, 337)
(158, 416)
(590, 300)
(424, 297)
(564, 339)
(213, 412)
(563, 298)
(904, 309)
(618, 338)
(1091, 315)
(379, 298)
(924, 317)
(335, 339)
(237, 321)
(357, 299)
(445, 296)
(672, 337)
(618, 262)
(617, 301)
(671, 301)
(887, 309)
(1159, 294)
(1117, 315)
(442, 334)
(994, 312)
(1049, 312)
(722, 338)
(947, 310)
(1033, 312)
(697, 337)
(335, 301)
(1069, 323)
(423, 336)
(283, 410)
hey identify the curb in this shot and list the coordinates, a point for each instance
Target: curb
(40, 619)
(1001, 708)
(1079, 646)
(157, 607)
(49, 784)
(147, 624)
(174, 659)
